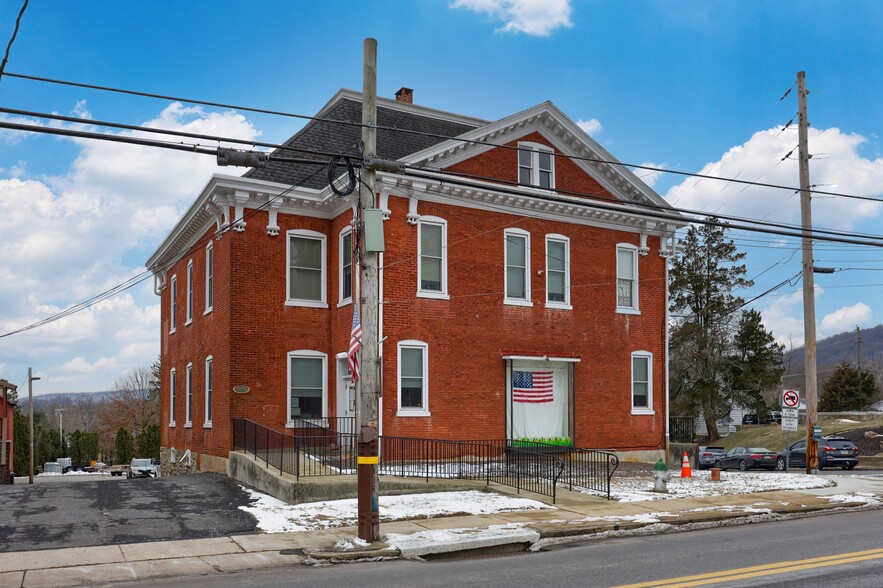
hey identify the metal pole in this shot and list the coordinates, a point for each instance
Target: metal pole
(809, 303)
(31, 379)
(368, 453)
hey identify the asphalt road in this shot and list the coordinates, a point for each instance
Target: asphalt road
(87, 512)
(790, 553)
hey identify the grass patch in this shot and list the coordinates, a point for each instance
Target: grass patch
(773, 437)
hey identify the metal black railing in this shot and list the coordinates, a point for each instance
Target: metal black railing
(317, 447)
(681, 429)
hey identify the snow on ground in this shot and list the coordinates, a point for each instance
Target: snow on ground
(276, 516)
(866, 497)
(637, 488)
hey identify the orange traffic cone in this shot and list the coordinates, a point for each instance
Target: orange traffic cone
(685, 467)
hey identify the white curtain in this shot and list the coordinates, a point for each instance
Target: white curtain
(535, 412)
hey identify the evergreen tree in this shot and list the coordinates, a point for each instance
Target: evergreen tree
(21, 434)
(702, 282)
(756, 364)
(846, 389)
(148, 443)
(123, 446)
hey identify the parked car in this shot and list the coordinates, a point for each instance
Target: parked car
(833, 452)
(708, 454)
(747, 458)
(142, 468)
(750, 419)
(774, 416)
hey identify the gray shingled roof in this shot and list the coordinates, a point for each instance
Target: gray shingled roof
(337, 138)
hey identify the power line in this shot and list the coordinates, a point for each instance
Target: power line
(12, 39)
(425, 134)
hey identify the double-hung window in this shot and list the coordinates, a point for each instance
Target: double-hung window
(346, 266)
(517, 276)
(307, 383)
(432, 263)
(642, 382)
(536, 165)
(626, 278)
(306, 268)
(189, 293)
(557, 271)
(208, 392)
(209, 277)
(172, 384)
(173, 304)
(188, 396)
(413, 377)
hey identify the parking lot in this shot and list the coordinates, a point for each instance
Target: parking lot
(76, 511)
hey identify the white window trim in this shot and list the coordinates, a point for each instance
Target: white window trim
(636, 309)
(565, 305)
(189, 300)
(209, 277)
(413, 412)
(438, 221)
(188, 396)
(173, 306)
(517, 301)
(312, 354)
(172, 385)
(641, 410)
(209, 384)
(343, 301)
(306, 233)
(535, 149)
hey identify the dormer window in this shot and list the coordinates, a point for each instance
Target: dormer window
(536, 165)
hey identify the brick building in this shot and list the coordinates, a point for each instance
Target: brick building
(507, 311)
(7, 431)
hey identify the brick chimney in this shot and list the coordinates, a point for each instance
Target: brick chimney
(405, 95)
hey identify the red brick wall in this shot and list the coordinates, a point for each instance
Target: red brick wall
(251, 330)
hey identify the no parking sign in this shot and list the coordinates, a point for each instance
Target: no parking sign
(790, 399)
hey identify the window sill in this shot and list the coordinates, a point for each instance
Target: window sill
(627, 311)
(173, 331)
(188, 322)
(643, 412)
(306, 303)
(207, 425)
(434, 295)
(188, 425)
(517, 302)
(413, 413)
(344, 302)
(172, 425)
(559, 306)
(208, 311)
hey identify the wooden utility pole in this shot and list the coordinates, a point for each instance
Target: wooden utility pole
(31, 379)
(809, 301)
(368, 382)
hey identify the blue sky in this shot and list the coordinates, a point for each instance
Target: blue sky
(689, 86)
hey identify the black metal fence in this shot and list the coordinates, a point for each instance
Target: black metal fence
(315, 448)
(681, 429)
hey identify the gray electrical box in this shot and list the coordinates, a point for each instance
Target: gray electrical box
(373, 230)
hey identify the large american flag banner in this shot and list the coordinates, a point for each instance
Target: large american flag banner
(533, 387)
(355, 344)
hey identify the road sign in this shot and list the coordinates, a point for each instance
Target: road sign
(789, 413)
(789, 424)
(790, 399)
(817, 433)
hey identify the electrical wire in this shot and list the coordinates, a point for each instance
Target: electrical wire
(12, 38)
(425, 134)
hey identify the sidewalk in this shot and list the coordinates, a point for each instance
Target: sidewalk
(576, 515)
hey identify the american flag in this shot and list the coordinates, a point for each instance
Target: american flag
(533, 387)
(355, 344)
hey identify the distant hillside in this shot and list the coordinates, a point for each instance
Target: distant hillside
(835, 350)
(60, 399)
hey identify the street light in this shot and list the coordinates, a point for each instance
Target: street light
(31, 379)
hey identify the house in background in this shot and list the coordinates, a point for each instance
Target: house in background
(7, 432)
(530, 303)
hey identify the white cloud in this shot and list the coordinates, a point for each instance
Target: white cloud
(842, 170)
(591, 126)
(538, 18)
(70, 237)
(846, 318)
(649, 177)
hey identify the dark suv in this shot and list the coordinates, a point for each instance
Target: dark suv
(833, 452)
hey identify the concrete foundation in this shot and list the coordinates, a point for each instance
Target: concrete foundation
(676, 455)
(213, 463)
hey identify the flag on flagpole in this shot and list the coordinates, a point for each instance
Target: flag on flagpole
(532, 387)
(355, 344)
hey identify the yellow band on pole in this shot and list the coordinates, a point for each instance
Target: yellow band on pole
(368, 459)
